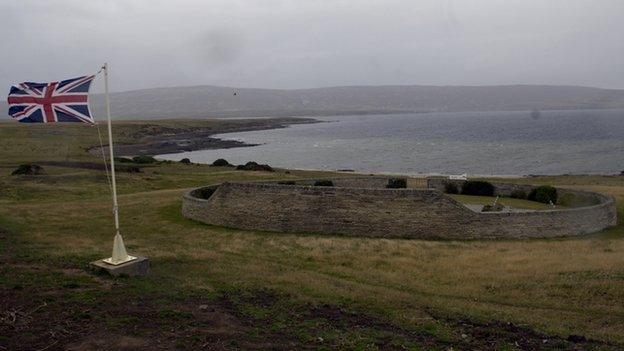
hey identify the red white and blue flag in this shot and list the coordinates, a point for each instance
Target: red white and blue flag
(65, 101)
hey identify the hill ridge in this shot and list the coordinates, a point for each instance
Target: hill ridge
(203, 101)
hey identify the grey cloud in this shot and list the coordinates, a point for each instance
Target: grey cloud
(295, 44)
(220, 46)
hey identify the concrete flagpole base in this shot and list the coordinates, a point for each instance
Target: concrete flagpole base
(138, 267)
(120, 263)
(119, 252)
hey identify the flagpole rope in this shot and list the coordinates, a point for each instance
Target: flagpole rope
(110, 186)
(108, 179)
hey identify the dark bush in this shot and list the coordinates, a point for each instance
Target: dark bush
(478, 187)
(144, 159)
(205, 193)
(323, 183)
(221, 163)
(451, 188)
(127, 169)
(518, 194)
(186, 161)
(492, 208)
(28, 169)
(253, 166)
(544, 194)
(123, 160)
(287, 182)
(397, 183)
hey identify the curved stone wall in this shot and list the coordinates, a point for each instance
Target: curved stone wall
(363, 207)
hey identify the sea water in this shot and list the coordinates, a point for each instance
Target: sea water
(484, 143)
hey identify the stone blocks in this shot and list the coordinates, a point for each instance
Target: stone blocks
(374, 211)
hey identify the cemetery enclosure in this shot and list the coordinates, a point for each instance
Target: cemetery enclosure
(364, 207)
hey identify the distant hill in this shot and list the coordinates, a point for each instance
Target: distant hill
(213, 101)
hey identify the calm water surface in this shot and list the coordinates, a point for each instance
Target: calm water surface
(501, 143)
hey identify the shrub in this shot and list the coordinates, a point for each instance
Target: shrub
(323, 183)
(287, 182)
(28, 169)
(253, 166)
(221, 162)
(206, 193)
(186, 161)
(123, 159)
(397, 183)
(544, 194)
(518, 194)
(127, 168)
(451, 188)
(144, 159)
(492, 208)
(478, 187)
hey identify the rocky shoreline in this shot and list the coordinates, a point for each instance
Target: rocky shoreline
(156, 139)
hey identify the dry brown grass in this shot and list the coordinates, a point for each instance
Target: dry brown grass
(562, 286)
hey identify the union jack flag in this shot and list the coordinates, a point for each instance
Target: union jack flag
(65, 101)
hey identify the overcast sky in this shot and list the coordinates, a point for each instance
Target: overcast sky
(308, 43)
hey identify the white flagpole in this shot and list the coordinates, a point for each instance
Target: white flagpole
(119, 250)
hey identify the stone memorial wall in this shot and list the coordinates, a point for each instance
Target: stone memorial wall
(364, 207)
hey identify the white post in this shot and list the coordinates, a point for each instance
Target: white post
(119, 250)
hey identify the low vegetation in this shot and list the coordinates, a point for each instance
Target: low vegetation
(144, 159)
(451, 188)
(397, 183)
(124, 160)
(477, 188)
(518, 194)
(323, 183)
(493, 207)
(545, 194)
(220, 162)
(287, 182)
(214, 287)
(254, 166)
(28, 169)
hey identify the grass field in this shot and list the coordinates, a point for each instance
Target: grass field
(219, 288)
